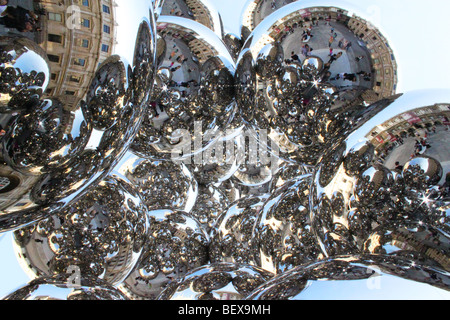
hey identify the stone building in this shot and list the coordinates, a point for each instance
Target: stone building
(383, 59)
(79, 35)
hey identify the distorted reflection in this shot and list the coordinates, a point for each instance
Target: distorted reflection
(71, 101)
(192, 98)
(146, 154)
(356, 278)
(301, 69)
(175, 244)
(220, 281)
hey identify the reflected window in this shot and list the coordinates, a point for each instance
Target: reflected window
(73, 78)
(79, 62)
(106, 29)
(53, 58)
(106, 9)
(54, 38)
(86, 23)
(55, 16)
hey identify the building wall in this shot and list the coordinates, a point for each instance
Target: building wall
(383, 59)
(76, 43)
(397, 125)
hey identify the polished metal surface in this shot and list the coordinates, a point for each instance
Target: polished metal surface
(146, 154)
(219, 281)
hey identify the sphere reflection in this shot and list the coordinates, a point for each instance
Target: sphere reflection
(147, 154)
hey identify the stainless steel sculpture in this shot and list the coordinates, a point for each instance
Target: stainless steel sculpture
(203, 165)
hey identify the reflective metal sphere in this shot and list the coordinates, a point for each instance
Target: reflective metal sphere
(147, 153)
(102, 235)
(297, 79)
(231, 239)
(357, 278)
(67, 287)
(219, 281)
(70, 105)
(376, 180)
(192, 100)
(175, 244)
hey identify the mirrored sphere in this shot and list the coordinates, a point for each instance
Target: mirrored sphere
(385, 175)
(219, 281)
(300, 71)
(67, 287)
(102, 235)
(73, 96)
(176, 243)
(192, 100)
(283, 236)
(149, 152)
(162, 184)
(357, 278)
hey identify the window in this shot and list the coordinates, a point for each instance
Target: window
(105, 48)
(53, 58)
(70, 93)
(79, 62)
(106, 29)
(54, 17)
(106, 9)
(85, 3)
(73, 78)
(84, 43)
(86, 23)
(54, 38)
(53, 76)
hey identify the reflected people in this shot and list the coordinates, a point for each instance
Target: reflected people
(147, 153)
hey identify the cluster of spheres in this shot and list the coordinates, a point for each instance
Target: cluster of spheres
(147, 155)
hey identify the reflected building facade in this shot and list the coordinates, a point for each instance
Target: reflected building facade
(383, 59)
(197, 10)
(79, 37)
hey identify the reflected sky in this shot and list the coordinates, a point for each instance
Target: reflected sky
(12, 276)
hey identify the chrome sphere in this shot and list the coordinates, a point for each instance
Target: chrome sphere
(101, 235)
(176, 244)
(357, 278)
(192, 100)
(219, 281)
(67, 287)
(69, 118)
